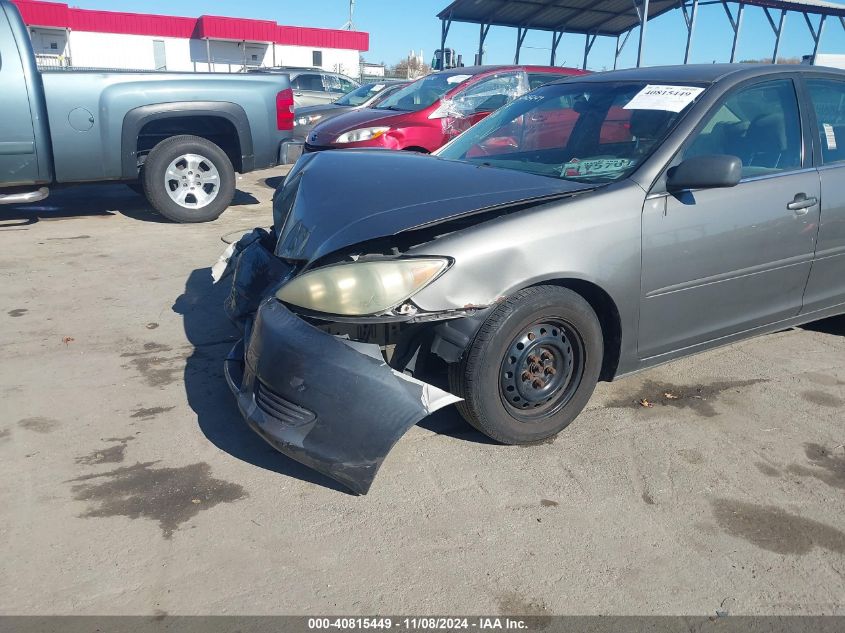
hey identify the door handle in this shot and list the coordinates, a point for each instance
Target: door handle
(801, 204)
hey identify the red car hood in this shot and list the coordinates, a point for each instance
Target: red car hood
(325, 133)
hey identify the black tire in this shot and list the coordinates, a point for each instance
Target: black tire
(561, 332)
(195, 207)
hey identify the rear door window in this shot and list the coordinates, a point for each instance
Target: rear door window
(828, 97)
(489, 94)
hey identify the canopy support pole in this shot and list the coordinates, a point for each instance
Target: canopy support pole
(816, 34)
(736, 25)
(777, 29)
(485, 28)
(689, 18)
(445, 25)
(557, 36)
(643, 24)
(588, 46)
(620, 47)
(520, 38)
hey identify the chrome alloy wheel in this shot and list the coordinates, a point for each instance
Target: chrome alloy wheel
(192, 181)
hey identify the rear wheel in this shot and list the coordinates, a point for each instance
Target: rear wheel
(188, 179)
(532, 366)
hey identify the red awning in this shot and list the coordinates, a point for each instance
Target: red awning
(59, 15)
(219, 28)
(131, 23)
(49, 14)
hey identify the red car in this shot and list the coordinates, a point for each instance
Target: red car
(431, 111)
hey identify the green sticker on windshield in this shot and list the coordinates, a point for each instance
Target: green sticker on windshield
(596, 167)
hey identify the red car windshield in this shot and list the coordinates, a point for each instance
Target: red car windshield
(423, 92)
(594, 132)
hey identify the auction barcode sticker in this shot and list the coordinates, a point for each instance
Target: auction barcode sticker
(830, 136)
(669, 98)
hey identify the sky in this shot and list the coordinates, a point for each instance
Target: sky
(397, 26)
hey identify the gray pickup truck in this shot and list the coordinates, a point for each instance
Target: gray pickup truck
(177, 137)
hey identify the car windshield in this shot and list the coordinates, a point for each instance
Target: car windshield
(585, 131)
(361, 95)
(423, 92)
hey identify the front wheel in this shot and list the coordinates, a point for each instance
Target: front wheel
(532, 366)
(188, 179)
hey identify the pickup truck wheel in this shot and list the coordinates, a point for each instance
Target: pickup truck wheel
(188, 179)
(532, 366)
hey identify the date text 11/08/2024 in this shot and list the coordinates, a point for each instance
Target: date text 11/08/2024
(417, 624)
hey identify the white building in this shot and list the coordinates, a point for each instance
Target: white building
(62, 35)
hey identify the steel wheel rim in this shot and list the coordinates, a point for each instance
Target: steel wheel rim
(541, 370)
(192, 181)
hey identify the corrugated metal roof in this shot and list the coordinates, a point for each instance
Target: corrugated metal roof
(130, 23)
(606, 17)
(322, 38)
(220, 28)
(49, 14)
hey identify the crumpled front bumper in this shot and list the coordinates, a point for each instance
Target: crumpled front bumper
(329, 403)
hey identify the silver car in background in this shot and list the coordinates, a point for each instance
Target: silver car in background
(312, 86)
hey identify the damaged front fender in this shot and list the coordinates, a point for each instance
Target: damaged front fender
(331, 404)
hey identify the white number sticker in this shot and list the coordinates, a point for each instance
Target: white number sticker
(669, 98)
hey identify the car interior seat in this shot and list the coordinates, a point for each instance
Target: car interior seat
(765, 143)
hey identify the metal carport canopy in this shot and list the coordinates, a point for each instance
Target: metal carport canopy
(615, 18)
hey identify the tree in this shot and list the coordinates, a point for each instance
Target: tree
(768, 60)
(412, 67)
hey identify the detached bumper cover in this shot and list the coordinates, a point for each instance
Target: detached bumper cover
(331, 404)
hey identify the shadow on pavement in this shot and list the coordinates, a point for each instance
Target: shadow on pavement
(833, 325)
(274, 181)
(448, 421)
(212, 336)
(92, 201)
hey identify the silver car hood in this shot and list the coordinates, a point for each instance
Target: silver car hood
(335, 199)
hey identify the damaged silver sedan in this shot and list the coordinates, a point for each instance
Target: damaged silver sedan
(592, 228)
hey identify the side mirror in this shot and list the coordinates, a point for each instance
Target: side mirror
(705, 172)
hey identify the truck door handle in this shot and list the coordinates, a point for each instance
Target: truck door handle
(801, 203)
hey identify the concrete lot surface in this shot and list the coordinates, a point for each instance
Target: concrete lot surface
(130, 484)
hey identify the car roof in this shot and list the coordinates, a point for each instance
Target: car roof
(698, 73)
(294, 70)
(390, 81)
(477, 70)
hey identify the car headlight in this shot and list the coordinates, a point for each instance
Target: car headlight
(361, 134)
(309, 119)
(361, 288)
